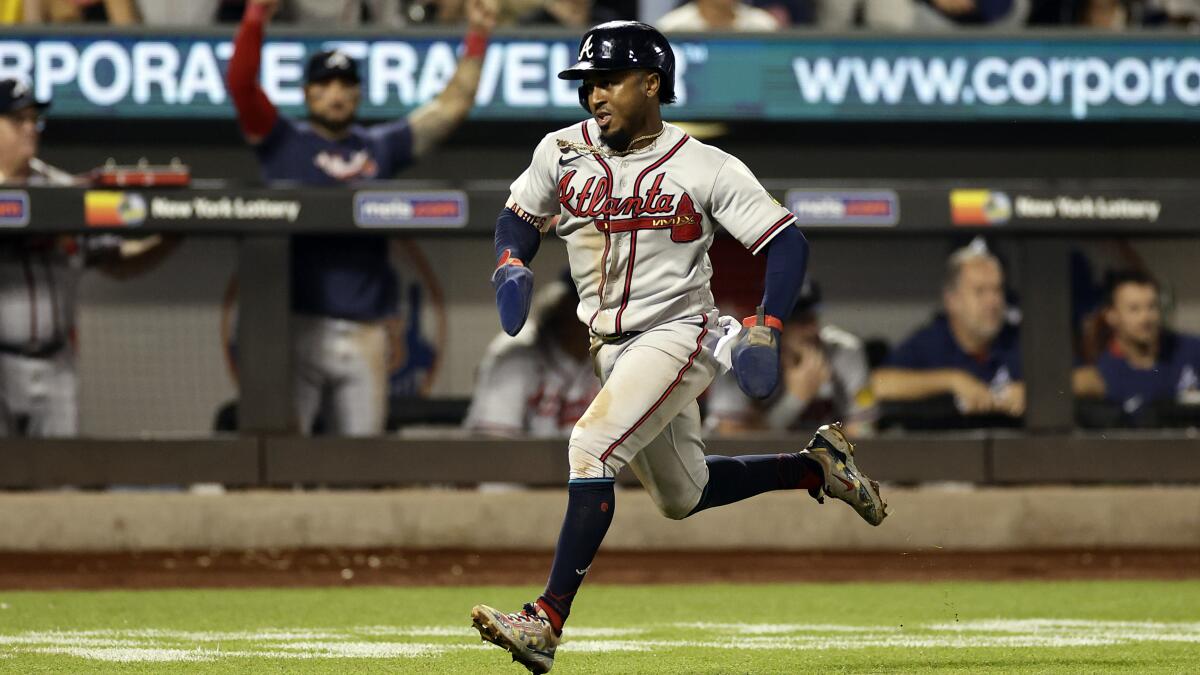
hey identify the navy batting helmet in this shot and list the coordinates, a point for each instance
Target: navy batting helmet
(622, 45)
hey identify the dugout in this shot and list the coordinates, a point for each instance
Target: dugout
(1127, 146)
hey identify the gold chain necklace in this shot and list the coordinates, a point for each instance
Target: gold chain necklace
(585, 149)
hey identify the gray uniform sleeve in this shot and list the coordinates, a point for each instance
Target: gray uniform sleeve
(535, 191)
(744, 207)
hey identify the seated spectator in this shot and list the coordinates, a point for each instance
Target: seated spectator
(332, 13)
(788, 12)
(580, 14)
(1144, 363)
(117, 12)
(706, 15)
(541, 382)
(950, 14)
(824, 379)
(970, 352)
(175, 13)
(1103, 14)
(1181, 13)
(873, 14)
(1117, 15)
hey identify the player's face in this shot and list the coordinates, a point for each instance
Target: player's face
(620, 102)
(1135, 315)
(976, 303)
(332, 103)
(19, 135)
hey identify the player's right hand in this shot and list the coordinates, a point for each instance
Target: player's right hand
(513, 282)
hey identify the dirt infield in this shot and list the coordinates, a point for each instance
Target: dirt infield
(329, 567)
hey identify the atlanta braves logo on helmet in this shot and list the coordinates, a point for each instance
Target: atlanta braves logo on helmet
(337, 60)
(585, 51)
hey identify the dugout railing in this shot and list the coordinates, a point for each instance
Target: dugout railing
(1042, 218)
(262, 460)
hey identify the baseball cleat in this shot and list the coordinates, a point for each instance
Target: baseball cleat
(843, 480)
(526, 634)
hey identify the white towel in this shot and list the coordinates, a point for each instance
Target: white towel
(723, 352)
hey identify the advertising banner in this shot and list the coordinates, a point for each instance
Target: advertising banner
(789, 77)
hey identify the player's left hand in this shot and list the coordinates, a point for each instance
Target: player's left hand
(513, 282)
(481, 15)
(756, 356)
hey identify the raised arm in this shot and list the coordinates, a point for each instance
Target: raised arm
(256, 114)
(432, 122)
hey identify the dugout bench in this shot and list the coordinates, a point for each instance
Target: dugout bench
(1041, 217)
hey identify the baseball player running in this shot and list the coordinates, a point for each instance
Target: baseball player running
(639, 203)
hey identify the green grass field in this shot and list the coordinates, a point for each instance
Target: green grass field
(1067, 627)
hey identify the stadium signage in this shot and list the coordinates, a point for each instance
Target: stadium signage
(113, 208)
(868, 208)
(442, 208)
(980, 207)
(14, 208)
(793, 77)
(1087, 208)
(224, 208)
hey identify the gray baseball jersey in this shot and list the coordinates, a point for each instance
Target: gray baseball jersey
(638, 228)
(39, 280)
(530, 389)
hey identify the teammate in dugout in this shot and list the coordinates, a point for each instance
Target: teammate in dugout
(344, 290)
(40, 278)
(1145, 362)
(639, 201)
(824, 376)
(539, 383)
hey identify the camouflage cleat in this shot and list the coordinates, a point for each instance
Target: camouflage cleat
(843, 480)
(527, 634)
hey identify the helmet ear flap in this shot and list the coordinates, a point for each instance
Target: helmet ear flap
(666, 88)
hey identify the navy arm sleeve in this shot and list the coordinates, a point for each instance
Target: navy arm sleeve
(517, 236)
(787, 263)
